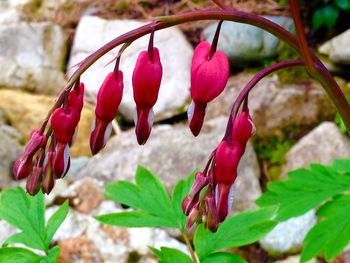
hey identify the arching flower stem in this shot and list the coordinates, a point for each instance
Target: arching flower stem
(321, 73)
(251, 84)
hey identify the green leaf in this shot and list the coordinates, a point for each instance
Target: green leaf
(343, 4)
(325, 16)
(52, 256)
(341, 165)
(27, 214)
(134, 219)
(331, 235)
(304, 190)
(239, 230)
(15, 255)
(223, 257)
(181, 189)
(55, 221)
(170, 255)
(148, 195)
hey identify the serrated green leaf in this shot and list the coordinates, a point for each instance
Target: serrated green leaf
(343, 4)
(170, 255)
(331, 235)
(326, 16)
(239, 230)
(134, 219)
(52, 256)
(148, 195)
(304, 190)
(25, 213)
(341, 165)
(15, 255)
(55, 221)
(223, 257)
(181, 189)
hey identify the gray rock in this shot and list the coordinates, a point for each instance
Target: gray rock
(275, 106)
(10, 150)
(6, 230)
(173, 153)
(10, 16)
(288, 236)
(322, 145)
(32, 57)
(175, 53)
(246, 43)
(338, 48)
(108, 244)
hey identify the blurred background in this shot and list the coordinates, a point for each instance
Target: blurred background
(42, 41)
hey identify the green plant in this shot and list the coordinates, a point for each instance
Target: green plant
(339, 121)
(153, 207)
(27, 213)
(325, 188)
(327, 12)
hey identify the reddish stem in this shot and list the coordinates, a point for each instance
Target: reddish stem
(243, 95)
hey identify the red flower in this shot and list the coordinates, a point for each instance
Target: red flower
(209, 76)
(22, 167)
(146, 81)
(108, 99)
(227, 158)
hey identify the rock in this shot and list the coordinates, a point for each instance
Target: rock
(294, 259)
(83, 239)
(172, 153)
(175, 53)
(26, 112)
(6, 230)
(275, 106)
(32, 57)
(338, 48)
(10, 150)
(246, 43)
(16, 4)
(10, 16)
(322, 145)
(288, 236)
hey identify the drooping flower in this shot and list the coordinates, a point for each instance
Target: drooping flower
(227, 158)
(47, 179)
(22, 166)
(146, 81)
(63, 123)
(211, 195)
(33, 181)
(108, 100)
(209, 75)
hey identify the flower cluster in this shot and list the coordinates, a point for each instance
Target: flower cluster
(211, 196)
(46, 155)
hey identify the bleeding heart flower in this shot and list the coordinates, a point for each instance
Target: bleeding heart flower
(108, 100)
(63, 123)
(146, 81)
(22, 167)
(47, 179)
(227, 158)
(209, 75)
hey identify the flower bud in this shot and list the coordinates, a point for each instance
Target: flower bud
(209, 76)
(108, 100)
(22, 166)
(242, 130)
(146, 81)
(61, 161)
(76, 100)
(47, 179)
(212, 220)
(33, 181)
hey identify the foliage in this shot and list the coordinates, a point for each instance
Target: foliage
(152, 207)
(327, 12)
(273, 152)
(321, 187)
(27, 213)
